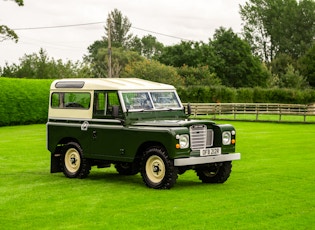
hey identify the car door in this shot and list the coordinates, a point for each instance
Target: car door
(105, 131)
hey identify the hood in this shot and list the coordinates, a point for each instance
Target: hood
(171, 123)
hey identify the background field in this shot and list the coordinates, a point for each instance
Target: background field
(20, 104)
(271, 187)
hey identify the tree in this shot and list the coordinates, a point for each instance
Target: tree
(120, 58)
(96, 60)
(279, 64)
(279, 26)
(292, 79)
(235, 65)
(304, 36)
(119, 29)
(306, 65)
(147, 46)
(40, 66)
(187, 53)
(154, 71)
(6, 32)
(120, 40)
(198, 76)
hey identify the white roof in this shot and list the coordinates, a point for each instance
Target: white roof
(109, 84)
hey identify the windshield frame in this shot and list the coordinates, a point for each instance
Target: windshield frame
(153, 104)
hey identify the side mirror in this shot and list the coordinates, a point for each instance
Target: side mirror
(188, 109)
(115, 112)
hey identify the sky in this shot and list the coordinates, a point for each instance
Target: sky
(170, 21)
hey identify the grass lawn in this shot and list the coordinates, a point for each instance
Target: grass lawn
(261, 117)
(271, 187)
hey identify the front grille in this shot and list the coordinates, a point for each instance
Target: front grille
(200, 137)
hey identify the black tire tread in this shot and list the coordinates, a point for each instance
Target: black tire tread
(171, 173)
(127, 169)
(223, 173)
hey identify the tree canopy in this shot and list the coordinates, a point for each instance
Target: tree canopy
(235, 65)
(187, 53)
(7, 33)
(147, 46)
(306, 65)
(276, 49)
(279, 26)
(119, 27)
(41, 66)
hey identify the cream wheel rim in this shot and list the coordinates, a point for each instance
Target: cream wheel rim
(72, 160)
(155, 169)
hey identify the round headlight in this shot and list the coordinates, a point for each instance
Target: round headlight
(226, 138)
(183, 141)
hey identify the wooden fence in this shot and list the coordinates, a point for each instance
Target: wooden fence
(256, 110)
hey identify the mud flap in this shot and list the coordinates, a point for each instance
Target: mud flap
(55, 163)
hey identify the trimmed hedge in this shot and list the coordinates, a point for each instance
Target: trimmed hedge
(23, 101)
(206, 94)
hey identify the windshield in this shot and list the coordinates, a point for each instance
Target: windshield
(156, 100)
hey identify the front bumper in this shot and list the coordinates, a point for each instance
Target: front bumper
(207, 159)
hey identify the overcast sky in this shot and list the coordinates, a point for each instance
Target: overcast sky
(178, 19)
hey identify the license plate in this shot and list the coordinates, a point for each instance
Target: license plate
(210, 152)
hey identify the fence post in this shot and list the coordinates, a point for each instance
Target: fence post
(305, 110)
(234, 112)
(256, 112)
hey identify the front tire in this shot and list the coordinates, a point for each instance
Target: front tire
(215, 173)
(157, 170)
(73, 164)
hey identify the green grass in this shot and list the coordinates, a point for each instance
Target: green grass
(271, 187)
(262, 117)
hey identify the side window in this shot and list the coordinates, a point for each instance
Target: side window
(70, 100)
(104, 102)
(113, 99)
(99, 103)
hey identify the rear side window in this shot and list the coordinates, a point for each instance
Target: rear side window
(70, 100)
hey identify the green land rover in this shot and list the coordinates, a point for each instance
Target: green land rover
(137, 125)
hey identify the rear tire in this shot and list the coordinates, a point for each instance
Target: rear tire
(215, 173)
(73, 164)
(128, 169)
(157, 170)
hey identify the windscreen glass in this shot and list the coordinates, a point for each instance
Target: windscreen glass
(151, 100)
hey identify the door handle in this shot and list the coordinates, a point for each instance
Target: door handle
(94, 134)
